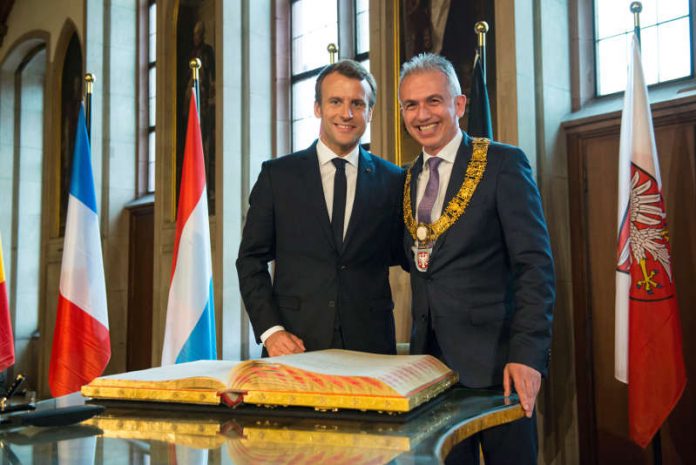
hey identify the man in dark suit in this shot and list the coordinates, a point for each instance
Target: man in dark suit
(330, 217)
(481, 267)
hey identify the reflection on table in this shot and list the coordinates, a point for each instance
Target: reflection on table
(131, 433)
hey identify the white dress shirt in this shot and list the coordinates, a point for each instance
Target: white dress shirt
(328, 171)
(447, 154)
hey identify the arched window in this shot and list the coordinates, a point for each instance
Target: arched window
(147, 99)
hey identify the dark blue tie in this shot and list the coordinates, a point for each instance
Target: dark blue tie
(338, 211)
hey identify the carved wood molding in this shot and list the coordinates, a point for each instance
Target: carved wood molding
(665, 113)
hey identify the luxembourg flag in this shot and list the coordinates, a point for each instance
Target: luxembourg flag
(190, 329)
(81, 346)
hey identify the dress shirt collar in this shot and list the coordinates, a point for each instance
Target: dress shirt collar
(448, 152)
(325, 154)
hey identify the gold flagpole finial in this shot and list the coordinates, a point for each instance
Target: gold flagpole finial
(89, 79)
(195, 65)
(481, 29)
(333, 50)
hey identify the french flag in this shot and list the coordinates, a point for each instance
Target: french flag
(190, 329)
(81, 345)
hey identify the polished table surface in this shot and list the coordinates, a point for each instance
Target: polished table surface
(147, 434)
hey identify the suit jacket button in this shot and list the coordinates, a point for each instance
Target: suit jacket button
(343, 267)
(332, 303)
(423, 317)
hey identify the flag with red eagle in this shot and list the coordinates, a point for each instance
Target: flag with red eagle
(648, 340)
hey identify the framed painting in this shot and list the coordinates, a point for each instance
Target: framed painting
(445, 27)
(196, 39)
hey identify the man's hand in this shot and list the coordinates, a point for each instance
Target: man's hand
(283, 343)
(527, 382)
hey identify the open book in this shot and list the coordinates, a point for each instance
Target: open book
(326, 380)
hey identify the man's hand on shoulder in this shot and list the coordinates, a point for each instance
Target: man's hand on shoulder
(283, 343)
(526, 381)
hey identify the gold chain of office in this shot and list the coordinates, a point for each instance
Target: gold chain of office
(424, 232)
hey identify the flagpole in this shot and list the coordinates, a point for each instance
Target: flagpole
(89, 79)
(636, 8)
(479, 119)
(333, 51)
(81, 346)
(195, 65)
(481, 29)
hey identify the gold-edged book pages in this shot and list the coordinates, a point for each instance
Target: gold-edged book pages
(200, 382)
(342, 379)
(326, 380)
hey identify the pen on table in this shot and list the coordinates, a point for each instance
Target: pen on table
(5, 399)
(15, 385)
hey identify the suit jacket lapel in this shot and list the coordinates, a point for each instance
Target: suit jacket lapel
(316, 202)
(363, 190)
(458, 169)
(455, 182)
(415, 172)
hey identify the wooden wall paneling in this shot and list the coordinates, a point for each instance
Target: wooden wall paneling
(610, 395)
(140, 285)
(581, 317)
(579, 134)
(593, 146)
(677, 146)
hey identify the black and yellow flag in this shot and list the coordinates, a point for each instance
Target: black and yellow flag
(479, 108)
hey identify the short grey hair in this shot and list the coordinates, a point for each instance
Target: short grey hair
(424, 62)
